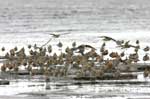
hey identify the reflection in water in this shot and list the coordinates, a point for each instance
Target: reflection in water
(23, 88)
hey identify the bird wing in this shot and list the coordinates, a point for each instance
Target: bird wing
(121, 46)
(106, 38)
(58, 34)
(80, 46)
(134, 46)
(89, 46)
(53, 34)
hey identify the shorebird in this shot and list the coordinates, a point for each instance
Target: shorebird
(127, 45)
(3, 68)
(74, 44)
(60, 45)
(106, 38)
(85, 46)
(146, 57)
(109, 64)
(49, 48)
(102, 48)
(55, 56)
(99, 58)
(3, 48)
(58, 35)
(82, 47)
(134, 57)
(15, 49)
(146, 72)
(137, 41)
(91, 54)
(7, 55)
(113, 55)
(105, 52)
(122, 54)
(146, 48)
(29, 46)
(12, 52)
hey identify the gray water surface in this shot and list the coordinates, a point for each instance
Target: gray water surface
(74, 16)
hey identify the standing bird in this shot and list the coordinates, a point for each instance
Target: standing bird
(58, 35)
(146, 48)
(3, 48)
(146, 58)
(122, 54)
(137, 42)
(29, 46)
(102, 48)
(106, 38)
(146, 72)
(15, 49)
(74, 44)
(60, 45)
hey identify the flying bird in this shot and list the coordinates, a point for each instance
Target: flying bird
(58, 35)
(82, 47)
(127, 45)
(85, 46)
(106, 38)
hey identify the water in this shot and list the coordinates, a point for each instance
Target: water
(60, 89)
(101, 16)
(31, 21)
(26, 22)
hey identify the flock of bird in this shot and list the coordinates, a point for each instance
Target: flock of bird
(74, 60)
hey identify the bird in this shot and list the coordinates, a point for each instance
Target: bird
(57, 35)
(29, 46)
(146, 48)
(3, 49)
(134, 57)
(102, 48)
(127, 45)
(146, 57)
(122, 54)
(16, 48)
(82, 47)
(146, 72)
(113, 55)
(74, 44)
(85, 46)
(106, 38)
(105, 52)
(59, 44)
(137, 41)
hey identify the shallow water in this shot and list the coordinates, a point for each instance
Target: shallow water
(59, 89)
